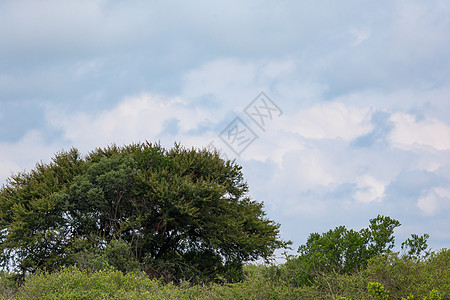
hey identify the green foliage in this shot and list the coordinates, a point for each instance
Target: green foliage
(377, 289)
(340, 250)
(33, 231)
(102, 226)
(8, 285)
(342, 263)
(351, 286)
(116, 255)
(403, 276)
(434, 295)
(73, 283)
(416, 245)
(181, 214)
(380, 235)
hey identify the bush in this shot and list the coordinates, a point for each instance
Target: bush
(403, 276)
(377, 289)
(8, 285)
(73, 283)
(351, 286)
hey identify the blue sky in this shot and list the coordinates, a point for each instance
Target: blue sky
(360, 92)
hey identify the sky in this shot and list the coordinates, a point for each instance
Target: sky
(337, 111)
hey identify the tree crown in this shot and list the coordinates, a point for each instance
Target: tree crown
(180, 211)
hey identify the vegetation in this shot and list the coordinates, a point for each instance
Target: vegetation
(340, 251)
(176, 214)
(361, 265)
(142, 222)
(384, 278)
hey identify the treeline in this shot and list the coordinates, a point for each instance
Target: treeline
(321, 270)
(144, 222)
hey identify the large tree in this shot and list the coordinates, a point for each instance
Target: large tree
(182, 213)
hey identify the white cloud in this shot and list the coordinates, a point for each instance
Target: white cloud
(330, 121)
(304, 169)
(369, 189)
(436, 200)
(135, 119)
(273, 145)
(410, 132)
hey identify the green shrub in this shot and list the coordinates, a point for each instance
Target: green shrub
(351, 286)
(8, 285)
(434, 295)
(73, 283)
(403, 276)
(377, 289)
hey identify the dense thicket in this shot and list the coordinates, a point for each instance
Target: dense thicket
(388, 276)
(361, 265)
(415, 273)
(340, 250)
(177, 213)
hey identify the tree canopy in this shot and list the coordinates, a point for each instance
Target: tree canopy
(344, 251)
(178, 212)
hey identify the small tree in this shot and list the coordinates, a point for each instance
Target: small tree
(416, 245)
(183, 213)
(341, 250)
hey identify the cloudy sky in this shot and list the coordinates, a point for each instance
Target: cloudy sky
(354, 120)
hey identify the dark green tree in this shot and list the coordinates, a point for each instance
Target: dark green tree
(33, 231)
(183, 213)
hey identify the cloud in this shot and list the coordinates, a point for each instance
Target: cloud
(22, 155)
(235, 82)
(369, 189)
(422, 29)
(437, 200)
(330, 121)
(52, 28)
(409, 132)
(135, 119)
(381, 127)
(363, 88)
(306, 169)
